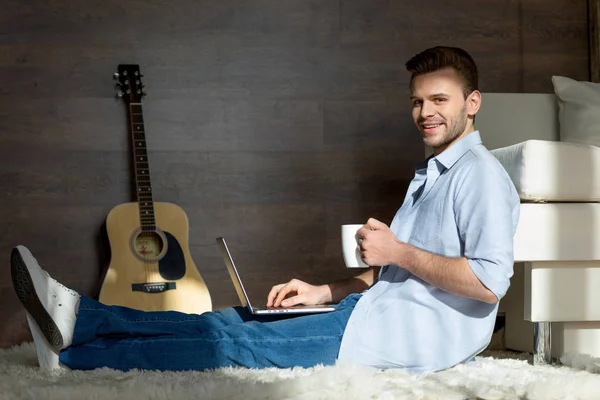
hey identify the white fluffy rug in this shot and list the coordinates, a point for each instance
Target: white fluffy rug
(497, 375)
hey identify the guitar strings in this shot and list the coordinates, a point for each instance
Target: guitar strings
(135, 133)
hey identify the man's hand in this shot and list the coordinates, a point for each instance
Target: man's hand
(298, 292)
(377, 243)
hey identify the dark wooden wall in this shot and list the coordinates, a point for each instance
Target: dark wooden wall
(271, 122)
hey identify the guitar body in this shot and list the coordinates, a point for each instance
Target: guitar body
(157, 264)
(151, 268)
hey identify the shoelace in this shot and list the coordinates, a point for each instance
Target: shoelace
(70, 291)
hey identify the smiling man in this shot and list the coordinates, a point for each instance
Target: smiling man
(428, 302)
(442, 110)
(448, 255)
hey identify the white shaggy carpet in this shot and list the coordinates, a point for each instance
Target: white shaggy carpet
(497, 375)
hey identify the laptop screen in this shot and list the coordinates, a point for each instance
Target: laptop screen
(233, 273)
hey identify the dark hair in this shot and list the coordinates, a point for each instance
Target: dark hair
(440, 57)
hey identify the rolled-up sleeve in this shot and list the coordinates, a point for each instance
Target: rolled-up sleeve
(486, 208)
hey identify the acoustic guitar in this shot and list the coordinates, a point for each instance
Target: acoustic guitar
(151, 268)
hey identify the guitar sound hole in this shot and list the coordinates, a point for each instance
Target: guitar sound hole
(149, 245)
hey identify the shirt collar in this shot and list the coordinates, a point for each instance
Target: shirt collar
(451, 155)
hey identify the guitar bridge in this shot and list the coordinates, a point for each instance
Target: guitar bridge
(154, 287)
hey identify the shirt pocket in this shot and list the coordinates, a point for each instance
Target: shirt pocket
(427, 225)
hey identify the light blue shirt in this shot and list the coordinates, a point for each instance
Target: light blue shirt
(461, 203)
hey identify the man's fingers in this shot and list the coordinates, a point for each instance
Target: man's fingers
(374, 224)
(282, 293)
(361, 234)
(292, 301)
(273, 293)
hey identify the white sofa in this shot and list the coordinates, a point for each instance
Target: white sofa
(553, 304)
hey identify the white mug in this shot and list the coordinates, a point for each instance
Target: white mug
(350, 246)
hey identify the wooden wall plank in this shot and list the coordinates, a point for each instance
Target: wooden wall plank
(594, 37)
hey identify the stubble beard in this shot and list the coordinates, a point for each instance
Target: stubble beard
(453, 131)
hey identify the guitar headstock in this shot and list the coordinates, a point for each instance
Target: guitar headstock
(129, 83)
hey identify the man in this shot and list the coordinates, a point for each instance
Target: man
(429, 302)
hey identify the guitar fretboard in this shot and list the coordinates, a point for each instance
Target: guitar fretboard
(142, 170)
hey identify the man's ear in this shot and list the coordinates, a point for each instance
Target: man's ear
(473, 103)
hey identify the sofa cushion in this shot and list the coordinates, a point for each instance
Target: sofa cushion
(551, 171)
(558, 231)
(579, 110)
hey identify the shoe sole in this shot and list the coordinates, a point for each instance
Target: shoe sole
(25, 290)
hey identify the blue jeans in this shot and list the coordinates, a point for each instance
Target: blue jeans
(123, 338)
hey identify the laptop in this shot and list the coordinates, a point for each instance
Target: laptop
(261, 310)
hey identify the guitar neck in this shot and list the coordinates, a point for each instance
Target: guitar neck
(141, 168)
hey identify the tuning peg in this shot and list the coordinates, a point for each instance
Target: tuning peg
(119, 94)
(116, 76)
(143, 93)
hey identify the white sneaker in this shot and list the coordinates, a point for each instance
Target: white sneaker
(47, 357)
(51, 307)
